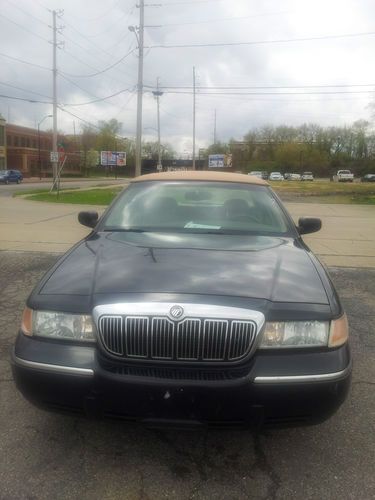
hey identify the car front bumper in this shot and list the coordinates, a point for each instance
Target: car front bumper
(278, 388)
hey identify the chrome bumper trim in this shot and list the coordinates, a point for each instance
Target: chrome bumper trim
(45, 367)
(293, 379)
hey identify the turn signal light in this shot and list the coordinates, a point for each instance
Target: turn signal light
(339, 332)
(27, 321)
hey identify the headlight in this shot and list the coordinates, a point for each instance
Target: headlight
(296, 334)
(57, 325)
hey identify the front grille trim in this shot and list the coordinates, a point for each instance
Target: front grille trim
(212, 335)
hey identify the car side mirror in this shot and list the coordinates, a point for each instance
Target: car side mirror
(88, 219)
(308, 225)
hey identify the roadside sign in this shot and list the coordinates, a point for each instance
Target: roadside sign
(54, 156)
(159, 167)
(220, 161)
(216, 161)
(113, 158)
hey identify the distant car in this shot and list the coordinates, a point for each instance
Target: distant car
(264, 175)
(256, 173)
(8, 176)
(276, 176)
(307, 176)
(345, 176)
(293, 177)
(368, 178)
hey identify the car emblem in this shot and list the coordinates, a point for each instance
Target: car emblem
(176, 312)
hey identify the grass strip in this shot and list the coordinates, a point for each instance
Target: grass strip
(87, 197)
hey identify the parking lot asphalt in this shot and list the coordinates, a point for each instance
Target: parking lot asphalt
(47, 456)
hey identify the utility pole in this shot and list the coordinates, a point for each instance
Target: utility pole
(194, 102)
(215, 128)
(138, 145)
(157, 93)
(54, 95)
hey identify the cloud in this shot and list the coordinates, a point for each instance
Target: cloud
(98, 36)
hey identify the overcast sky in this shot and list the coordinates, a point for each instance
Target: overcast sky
(96, 36)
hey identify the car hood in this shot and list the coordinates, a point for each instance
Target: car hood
(271, 268)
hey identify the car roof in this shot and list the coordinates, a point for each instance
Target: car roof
(201, 175)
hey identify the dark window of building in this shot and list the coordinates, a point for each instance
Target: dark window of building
(34, 144)
(16, 141)
(2, 135)
(27, 142)
(9, 140)
(23, 142)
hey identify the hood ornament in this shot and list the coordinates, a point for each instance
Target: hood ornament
(176, 312)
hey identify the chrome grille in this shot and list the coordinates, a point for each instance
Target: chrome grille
(136, 337)
(190, 339)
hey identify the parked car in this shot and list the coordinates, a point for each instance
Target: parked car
(294, 177)
(275, 176)
(8, 176)
(368, 178)
(256, 173)
(193, 300)
(307, 176)
(345, 176)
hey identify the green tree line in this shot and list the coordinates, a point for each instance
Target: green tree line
(308, 147)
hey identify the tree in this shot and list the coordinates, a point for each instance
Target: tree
(107, 137)
(220, 148)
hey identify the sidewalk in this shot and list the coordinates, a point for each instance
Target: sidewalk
(346, 239)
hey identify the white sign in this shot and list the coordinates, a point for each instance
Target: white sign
(54, 156)
(216, 161)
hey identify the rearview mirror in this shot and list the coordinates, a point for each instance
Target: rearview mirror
(308, 225)
(88, 219)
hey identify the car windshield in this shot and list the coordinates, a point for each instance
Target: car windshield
(197, 207)
(345, 172)
(3, 172)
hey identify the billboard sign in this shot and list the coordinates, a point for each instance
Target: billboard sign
(112, 158)
(220, 161)
(216, 161)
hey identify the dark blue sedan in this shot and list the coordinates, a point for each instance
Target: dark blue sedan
(8, 176)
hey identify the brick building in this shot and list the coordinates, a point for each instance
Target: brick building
(23, 145)
(29, 151)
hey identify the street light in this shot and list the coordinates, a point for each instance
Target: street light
(39, 160)
(157, 94)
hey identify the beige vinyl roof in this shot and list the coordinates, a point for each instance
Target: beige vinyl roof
(201, 175)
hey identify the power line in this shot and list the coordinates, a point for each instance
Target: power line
(273, 93)
(225, 19)
(27, 13)
(25, 29)
(99, 99)
(261, 42)
(93, 44)
(24, 99)
(24, 62)
(254, 87)
(24, 90)
(127, 14)
(103, 70)
(190, 2)
(79, 118)
(108, 10)
(78, 86)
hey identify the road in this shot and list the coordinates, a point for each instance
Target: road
(46, 456)
(8, 190)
